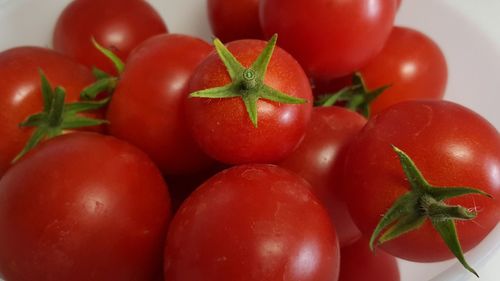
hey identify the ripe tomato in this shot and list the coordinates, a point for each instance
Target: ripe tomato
(118, 25)
(319, 159)
(232, 20)
(329, 38)
(146, 108)
(21, 92)
(412, 64)
(450, 145)
(252, 223)
(376, 266)
(83, 206)
(223, 128)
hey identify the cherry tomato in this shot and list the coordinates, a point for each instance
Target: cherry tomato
(450, 145)
(118, 25)
(252, 223)
(223, 128)
(83, 206)
(412, 64)
(319, 160)
(375, 265)
(232, 20)
(329, 38)
(21, 92)
(146, 108)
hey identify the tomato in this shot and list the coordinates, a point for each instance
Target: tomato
(319, 160)
(118, 25)
(21, 92)
(223, 127)
(329, 38)
(151, 91)
(232, 20)
(451, 146)
(252, 222)
(412, 64)
(83, 206)
(375, 265)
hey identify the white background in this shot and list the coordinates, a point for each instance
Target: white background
(467, 30)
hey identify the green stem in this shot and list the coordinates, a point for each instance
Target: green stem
(422, 202)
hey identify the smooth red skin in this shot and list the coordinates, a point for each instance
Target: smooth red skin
(451, 145)
(147, 106)
(222, 127)
(412, 64)
(83, 206)
(319, 159)
(233, 20)
(119, 25)
(252, 223)
(330, 38)
(359, 263)
(20, 92)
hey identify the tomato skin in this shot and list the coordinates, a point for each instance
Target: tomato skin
(21, 93)
(119, 25)
(252, 222)
(147, 107)
(233, 20)
(319, 159)
(376, 265)
(83, 206)
(451, 145)
(412, 64)
(222, 127)
(340, 38)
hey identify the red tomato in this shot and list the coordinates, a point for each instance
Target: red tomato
(21, 92)
(319, 160)
(222, 127)
(119, 25)
(412, 64)
(451, 146)
(232, 20)
(375, 265)
(83, 207)
(329, 38)
(252, 223)
(146, 109)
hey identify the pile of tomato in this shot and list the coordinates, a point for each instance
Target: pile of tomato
(309, 139)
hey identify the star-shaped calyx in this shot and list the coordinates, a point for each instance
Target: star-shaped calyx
(357, 97)
(425, 201)
(247, 83)
(58, 116)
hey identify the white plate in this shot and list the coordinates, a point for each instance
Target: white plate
(468, 32)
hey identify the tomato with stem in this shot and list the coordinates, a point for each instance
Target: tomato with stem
(242, 96)
(22, 92)
(119, 25)
(418, 178)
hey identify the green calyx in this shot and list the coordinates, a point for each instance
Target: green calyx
(105, 82)
(247, 83)
(58, 116)
(357, 97)
(423, 202)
